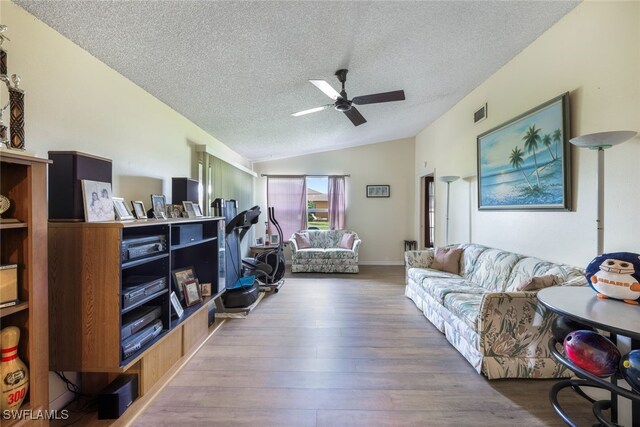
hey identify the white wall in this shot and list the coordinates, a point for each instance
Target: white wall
(75, 102)
(594, 53)
(382, 223)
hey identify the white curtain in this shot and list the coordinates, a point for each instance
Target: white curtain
(288, 196)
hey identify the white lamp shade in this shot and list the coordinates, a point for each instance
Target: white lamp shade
(603, 139)
(449, 178)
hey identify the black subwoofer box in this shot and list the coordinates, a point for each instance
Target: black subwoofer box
(186, 233)
(184, 189)
(65, 189)
(117, 397)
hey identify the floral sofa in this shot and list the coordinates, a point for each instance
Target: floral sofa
(502, 332)
(324, 255)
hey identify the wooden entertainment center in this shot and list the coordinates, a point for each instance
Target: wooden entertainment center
(87, 274)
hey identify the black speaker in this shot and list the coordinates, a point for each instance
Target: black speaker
(117, 397)
(65, 188)
(186, 233)
(184, 189)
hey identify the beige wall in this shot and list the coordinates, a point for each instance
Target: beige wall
(594, 53)
(382, 224)
(75, 102)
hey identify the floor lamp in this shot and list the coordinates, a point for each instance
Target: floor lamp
(601, 141)
(448, 179)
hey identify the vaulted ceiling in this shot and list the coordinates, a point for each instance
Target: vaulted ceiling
(238, 69)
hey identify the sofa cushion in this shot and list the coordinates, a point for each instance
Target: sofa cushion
(417, 274)
(465, 306)
(470, 255)
(531, 267)
(438, 288)
(302, 240)
(447, 259)
(319, 253)
(346, 241)
(493, 268)
(538, 282)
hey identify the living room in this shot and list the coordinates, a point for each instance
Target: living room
(74, 101)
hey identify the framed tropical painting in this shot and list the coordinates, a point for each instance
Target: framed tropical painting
(525, 164)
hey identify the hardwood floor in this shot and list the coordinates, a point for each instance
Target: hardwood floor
(344, 350)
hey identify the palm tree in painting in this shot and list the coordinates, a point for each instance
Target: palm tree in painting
(557, 135)
(546, 140)
(531, 140)
(516, 158)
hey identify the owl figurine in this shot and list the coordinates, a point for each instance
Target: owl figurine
(616, 275)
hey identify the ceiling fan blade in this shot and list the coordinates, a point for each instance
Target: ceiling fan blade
(326, 88)
(311, 110)
(355, 116)
(396, 95)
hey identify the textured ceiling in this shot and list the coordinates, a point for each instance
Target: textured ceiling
(238, 69)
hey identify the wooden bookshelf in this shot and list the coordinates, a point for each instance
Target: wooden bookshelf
(23, 179)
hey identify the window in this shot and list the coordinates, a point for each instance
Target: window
(318, 202)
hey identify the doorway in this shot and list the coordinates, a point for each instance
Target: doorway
(427, 212)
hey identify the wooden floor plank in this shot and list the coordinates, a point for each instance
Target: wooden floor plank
(344, 350)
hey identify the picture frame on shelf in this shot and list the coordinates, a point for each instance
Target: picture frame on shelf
(159, 206)
(191, 290)
(197, 210)
(180, 276)
(188, 208)
(138, 209)
(98, 202)
(122, 210)
(205, 290)
(174, 211)
(378, 191)
(259, 241)
(525, 163)
(274, 239)
(175, 303)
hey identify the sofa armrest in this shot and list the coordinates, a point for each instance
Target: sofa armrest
(514, 324)
(418, 259)
(356, 245)
(293, 245)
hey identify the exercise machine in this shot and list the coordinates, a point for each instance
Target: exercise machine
(241, 292)
(268, 266)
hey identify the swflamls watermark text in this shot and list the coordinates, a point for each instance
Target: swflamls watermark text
(31, 414)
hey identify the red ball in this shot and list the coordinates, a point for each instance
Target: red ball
(592, 352)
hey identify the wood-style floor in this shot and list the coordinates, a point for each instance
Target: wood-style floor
(344, 350)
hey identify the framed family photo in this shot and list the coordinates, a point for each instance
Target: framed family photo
(180, 277)
(525, 164)
(98, 202)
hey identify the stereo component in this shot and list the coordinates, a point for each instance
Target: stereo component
(138, 288)
(136, 320)
(136, 341)
(140, 247)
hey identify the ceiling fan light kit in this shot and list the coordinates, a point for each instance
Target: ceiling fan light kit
(346, 106)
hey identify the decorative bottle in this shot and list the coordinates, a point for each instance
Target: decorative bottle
(13, 372)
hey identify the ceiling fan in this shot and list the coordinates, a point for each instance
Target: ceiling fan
(342, 103)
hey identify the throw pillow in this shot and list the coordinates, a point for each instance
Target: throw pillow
(302, 240)
(447, 259)
(346, 242)
(535, 283)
